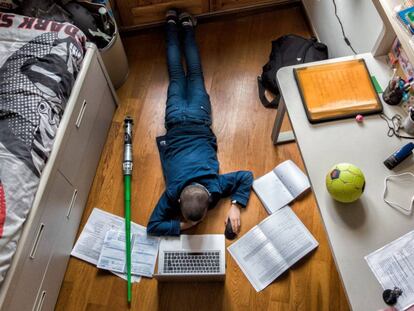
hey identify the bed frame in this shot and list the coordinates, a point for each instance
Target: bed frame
(34, 279)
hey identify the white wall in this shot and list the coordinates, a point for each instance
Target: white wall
(361, 22)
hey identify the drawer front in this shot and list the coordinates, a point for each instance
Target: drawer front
(219, 5)
(89, 165)
(59, 198)
(96, 141)
(138, 12)
(49, 291)
(87, 171)
(82, 121)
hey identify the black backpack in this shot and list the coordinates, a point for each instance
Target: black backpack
(287, 50)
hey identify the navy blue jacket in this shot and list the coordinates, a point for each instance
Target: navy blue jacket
(188, 154)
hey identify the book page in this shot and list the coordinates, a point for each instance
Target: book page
(90, 242)
(272, 192)
(257, 258)
(271, 247)
(288, 234)
(144, 250)
(292, 177)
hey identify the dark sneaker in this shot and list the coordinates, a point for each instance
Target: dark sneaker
(171, 16)
(186, 19)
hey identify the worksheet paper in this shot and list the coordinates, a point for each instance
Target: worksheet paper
(90, 242)
(280, 186)
(393, 266)
(271, 247)
(144, 250)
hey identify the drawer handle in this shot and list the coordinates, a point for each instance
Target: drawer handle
(72, 203)
(81, 113)
(37, 240)
(41, 300)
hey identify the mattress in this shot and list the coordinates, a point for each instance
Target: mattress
(39, 61)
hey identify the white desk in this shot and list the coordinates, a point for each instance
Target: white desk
(357, 229)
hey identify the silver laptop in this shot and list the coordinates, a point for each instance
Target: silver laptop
(192, 258)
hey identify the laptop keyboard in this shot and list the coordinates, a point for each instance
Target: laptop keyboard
(192, 262)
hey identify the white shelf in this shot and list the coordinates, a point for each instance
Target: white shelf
(392, 28)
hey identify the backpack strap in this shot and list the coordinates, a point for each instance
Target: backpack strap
(265, 102)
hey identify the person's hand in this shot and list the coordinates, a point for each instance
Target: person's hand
(184, 225)
(234, 216)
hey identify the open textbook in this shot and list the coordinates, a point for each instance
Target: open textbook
(271, 247)
(280, 186)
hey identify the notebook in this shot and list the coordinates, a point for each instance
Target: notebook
(280, 186)
(337, 90)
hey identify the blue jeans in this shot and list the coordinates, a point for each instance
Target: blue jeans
(188, 102)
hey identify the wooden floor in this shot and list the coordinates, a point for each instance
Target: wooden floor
(233, 51)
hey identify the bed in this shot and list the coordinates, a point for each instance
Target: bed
(56, 107)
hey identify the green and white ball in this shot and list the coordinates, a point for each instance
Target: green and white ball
(345, 182)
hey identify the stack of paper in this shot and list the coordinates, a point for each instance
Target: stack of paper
(393, 266)
(102, 243)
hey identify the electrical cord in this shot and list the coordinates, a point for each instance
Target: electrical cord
(406, 211)
(348, 43)
(394, 126)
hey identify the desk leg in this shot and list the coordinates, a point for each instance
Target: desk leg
(277, 136)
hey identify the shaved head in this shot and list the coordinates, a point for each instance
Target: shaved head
(194, 202)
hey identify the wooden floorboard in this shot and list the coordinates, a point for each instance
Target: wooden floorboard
(233, 52)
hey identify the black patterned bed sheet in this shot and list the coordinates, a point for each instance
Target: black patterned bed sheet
(39, 62)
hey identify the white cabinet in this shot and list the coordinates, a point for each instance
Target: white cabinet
(34, 279)
(42, 242)
(392, 28)
(82, 121)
